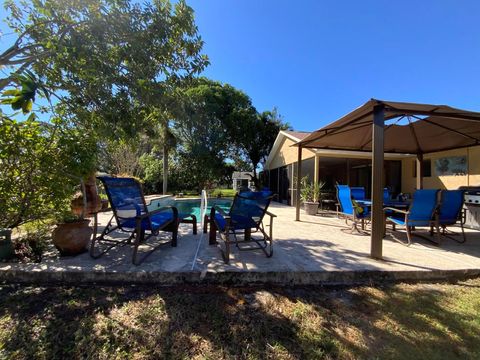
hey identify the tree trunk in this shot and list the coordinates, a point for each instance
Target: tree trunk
(165, 160)
(256, 183)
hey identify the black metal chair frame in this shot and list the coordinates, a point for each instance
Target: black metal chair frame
(461, 218)
(410, 229)
(138, 234)
(265, 243)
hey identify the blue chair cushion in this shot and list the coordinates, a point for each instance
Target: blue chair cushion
(238, 222)
(158, 221)
(400, 220)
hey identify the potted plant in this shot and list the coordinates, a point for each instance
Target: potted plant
(72, 234)
(310, 195)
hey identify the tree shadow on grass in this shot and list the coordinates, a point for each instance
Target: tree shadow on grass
(400, 321)
(212, 322)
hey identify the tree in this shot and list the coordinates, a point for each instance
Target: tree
(203, 124)
(40, 163)
(255, 135)
(112, 64)
(108, 62)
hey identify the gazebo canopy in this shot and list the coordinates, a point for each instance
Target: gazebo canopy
(396, 127)
(410, 128)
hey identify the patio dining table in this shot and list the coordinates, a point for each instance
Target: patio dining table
(389, 203)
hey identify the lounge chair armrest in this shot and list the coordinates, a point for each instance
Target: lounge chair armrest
(395, 210)
(157, 211)
(270, 214)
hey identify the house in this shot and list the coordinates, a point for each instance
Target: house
(447, 169)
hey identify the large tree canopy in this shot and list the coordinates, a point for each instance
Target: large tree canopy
(254, 137)
(109, 61)
(203, 123)
(112, 68)
(218, 123)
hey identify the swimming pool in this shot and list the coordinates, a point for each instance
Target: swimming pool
(190, 206)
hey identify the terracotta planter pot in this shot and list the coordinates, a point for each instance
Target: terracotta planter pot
(72, 238)
(311, 208)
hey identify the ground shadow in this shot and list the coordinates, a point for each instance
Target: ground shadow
(206, 322)
(401, 321)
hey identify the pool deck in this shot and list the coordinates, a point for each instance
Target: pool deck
(317, 250)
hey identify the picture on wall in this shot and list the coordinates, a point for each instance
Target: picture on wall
(452, 165)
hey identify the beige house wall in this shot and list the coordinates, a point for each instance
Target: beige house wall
(288, 154)
(450, 182)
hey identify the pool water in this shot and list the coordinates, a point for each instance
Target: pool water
(191, 206)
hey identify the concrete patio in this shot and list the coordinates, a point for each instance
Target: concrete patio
(317, 250)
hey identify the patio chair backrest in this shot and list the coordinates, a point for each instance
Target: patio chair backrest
(386, 195)
(251, 205)
(126, 198)
(358, 193)
(344, 196)
(451, 204)
(423, 206)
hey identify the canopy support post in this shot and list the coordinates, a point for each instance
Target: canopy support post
(377, 181)
(316, 175)
(419, 164)
(298, 185)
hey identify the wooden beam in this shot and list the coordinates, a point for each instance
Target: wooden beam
(419, 164)
(377, 181)
(298, 185)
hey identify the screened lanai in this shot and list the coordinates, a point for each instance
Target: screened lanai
(395, 127)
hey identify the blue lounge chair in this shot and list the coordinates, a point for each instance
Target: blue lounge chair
(451, 212)
(350, 209)
(422, 212)
(246, 213)
(133, 217)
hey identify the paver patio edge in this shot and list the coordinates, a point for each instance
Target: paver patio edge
(17, 274)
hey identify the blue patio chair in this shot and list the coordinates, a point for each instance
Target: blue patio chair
(422, 212)
(386, 195)
(350, 209)
(133, 217)
(358, 193)
(451, 212)
(245, 214)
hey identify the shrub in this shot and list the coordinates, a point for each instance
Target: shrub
(31, 239)
(40, 163)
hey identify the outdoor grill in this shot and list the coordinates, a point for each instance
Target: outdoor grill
(472, 206)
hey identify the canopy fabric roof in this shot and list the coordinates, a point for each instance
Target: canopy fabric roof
(410, 128)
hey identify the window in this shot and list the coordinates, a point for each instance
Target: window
(427, 168)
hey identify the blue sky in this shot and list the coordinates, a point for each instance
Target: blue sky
(317, 60)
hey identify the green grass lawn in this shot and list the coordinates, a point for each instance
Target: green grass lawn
(424, 321)
(223, 192)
